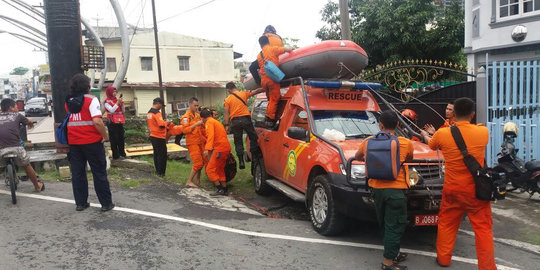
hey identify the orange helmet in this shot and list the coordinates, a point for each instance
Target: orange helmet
(409, 114)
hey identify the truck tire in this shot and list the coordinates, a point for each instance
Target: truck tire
(325, 218)
(259, 178)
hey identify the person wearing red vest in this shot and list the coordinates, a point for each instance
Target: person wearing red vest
(86, 135)
(115, 122)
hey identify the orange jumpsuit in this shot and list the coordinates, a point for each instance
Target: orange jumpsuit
(174, 129)
(459, 195)
(195, 138)
(271, 53)
(218, 145)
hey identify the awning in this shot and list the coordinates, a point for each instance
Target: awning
(176, 85)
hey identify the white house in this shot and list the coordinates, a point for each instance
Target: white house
(504, 29)
(191, 67)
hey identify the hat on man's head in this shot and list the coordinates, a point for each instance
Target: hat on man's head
(270, 29)
(158, 100)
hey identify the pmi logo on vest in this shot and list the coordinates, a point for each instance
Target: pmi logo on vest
(76, 117)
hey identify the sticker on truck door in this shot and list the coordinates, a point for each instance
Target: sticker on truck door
(291, 163)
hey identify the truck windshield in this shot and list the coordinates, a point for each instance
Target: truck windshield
(353, 124)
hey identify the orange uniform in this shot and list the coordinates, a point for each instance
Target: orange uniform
(156, 124)
(448, 123)
(195, 138)
(175, 129)
(271, 53)
(405, 149)
(218, 143)
(459, 195)
(274, 39)
(236, 107)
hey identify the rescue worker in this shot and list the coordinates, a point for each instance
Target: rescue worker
(237, 114)
(450, 119)
(193, 129)
(115, 122)
(86, 135)
(275, 40)
(270, 53)
(158, 135)
(459, 195)
(389, 196)
(411, 117)
(215, 114)
(217, 149)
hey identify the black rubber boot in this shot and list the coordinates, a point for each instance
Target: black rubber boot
(241, 163)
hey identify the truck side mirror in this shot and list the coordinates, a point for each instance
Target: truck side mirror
(298, 133)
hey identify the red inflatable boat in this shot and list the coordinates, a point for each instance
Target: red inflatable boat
(331, 59)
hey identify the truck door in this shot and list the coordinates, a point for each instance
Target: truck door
(295, 152)
(270, 138)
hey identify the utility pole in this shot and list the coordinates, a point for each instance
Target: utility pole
(63, 25)
(158, 59)
(344, 16)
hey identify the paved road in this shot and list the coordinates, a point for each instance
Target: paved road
(43, 130)
(170, 231)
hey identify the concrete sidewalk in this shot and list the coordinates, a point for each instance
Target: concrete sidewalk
(43, 131)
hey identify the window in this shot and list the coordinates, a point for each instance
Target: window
(353, 124)
(146, 63)
(301, 120)
(183, 62)
(111, 64)
(509, 8)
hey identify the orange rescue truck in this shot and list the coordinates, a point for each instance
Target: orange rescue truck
(300, 162)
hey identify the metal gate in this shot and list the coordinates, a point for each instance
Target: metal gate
(513, 95)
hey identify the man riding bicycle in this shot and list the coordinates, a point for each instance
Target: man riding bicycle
(10, 139)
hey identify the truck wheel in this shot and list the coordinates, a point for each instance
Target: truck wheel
(259, 178)
(324, 216)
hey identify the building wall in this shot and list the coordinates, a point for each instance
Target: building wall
(208, 97)
(486, 31)
(209, 61)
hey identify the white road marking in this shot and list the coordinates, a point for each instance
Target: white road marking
(515, 243)
(251, 233)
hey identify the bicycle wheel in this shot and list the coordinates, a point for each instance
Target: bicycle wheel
(11, 180)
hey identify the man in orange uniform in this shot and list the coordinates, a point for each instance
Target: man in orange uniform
(450, 119)
(158, 135)
(236, 112)
(275, 40)
(218, 149)
(195, 140)
(459, 188)
(389, 196)
(270, 53)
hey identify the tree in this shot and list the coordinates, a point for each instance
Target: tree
(392, 30)
(19, 71)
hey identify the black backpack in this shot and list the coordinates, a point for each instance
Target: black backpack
(230, 168)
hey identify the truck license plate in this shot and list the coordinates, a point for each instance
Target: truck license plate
(426, 220)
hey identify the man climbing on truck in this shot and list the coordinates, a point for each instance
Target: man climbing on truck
(270, 53)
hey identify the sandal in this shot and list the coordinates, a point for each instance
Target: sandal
(402, 256)
(42, 184)
(394, 266)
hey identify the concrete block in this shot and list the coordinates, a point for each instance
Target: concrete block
(64, 172)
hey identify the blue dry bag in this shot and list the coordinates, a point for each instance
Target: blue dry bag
(382, 157)
(61, 130)
(272, 70)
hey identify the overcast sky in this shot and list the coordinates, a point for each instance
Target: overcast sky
(239, 22)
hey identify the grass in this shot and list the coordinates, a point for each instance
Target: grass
(178, 172)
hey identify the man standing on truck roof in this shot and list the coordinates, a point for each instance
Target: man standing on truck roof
(237, 114)
(275, 40)
(459, 194)
(195, 140)
(158, 135)
(450, 119)
(389, 196)
(270, 53)
(217, 149)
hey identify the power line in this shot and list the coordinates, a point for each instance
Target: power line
(186, 11)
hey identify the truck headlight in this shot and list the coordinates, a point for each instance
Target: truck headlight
(358, 171)
(414, 177)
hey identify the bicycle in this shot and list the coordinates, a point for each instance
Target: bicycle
(11, 175)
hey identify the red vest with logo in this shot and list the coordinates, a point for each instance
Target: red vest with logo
(81, 129)
(117, 111)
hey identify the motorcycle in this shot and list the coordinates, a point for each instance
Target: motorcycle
(524, 176)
